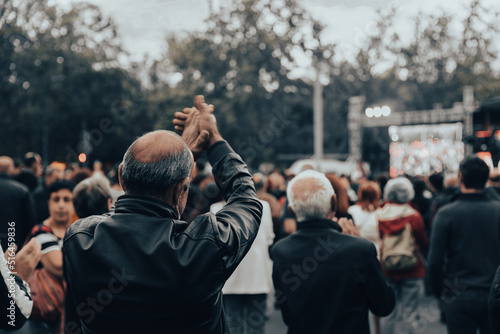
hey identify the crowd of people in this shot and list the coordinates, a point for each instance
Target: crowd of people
(182, 238)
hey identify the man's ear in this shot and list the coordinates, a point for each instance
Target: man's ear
(293, 213)
(181, 188)
(120, 178)
(333, 203)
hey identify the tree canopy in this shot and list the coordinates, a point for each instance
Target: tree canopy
(65, 88)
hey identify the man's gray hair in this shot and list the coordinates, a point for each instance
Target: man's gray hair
(309, 195)
(154, 178)
(399, 190)
(90, 196)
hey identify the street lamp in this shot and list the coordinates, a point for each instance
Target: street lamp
(378, 112)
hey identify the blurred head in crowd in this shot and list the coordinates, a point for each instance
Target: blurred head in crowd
(260, 181)
(27, 178)
(61, 208)
(79, 174)
(7, 165)
(276, 184)
(52, 174)
(419, 186)
(33, 162)
(158, 164)
(92, 196)
(369, 196)
(340, 189)
(382, 179)
(474, 173)
(451, 181)
(436, 182)
(399, 190)
(311, 196)
(494, 180)
(288, 174)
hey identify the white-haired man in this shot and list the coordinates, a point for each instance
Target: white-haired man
(326, 281)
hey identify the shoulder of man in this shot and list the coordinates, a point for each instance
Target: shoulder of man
(84, 225)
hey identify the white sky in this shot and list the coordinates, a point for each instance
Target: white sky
(143, 24)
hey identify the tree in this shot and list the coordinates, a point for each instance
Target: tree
(244, 64)
(65, 91)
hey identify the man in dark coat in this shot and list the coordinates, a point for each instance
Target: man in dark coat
(465, 251)
(326, 281)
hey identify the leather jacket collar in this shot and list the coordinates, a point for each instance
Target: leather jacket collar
(318, 223)
(144, 205)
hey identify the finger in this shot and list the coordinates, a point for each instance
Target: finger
(179, 122)
(199, 101)
(211, 108)
(201, 105)
(180, 115)
(187, 111)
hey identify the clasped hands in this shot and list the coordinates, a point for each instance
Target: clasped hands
(198, 126)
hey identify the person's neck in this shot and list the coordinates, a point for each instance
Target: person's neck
(58, 228)
(465, 190)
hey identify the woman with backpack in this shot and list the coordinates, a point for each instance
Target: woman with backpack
(402, 232)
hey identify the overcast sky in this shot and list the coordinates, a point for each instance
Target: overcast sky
(143, 24)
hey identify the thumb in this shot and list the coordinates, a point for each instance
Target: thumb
(202, 139)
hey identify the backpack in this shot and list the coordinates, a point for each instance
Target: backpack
(398, 251)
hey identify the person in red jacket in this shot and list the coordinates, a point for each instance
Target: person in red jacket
(393, 216)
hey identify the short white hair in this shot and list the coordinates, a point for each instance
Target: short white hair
(309, 195)
(399, 190)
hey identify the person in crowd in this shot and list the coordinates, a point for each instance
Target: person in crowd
(276, 184)
(394, 216)
(15, 300)
(421, 201)
(143, 268)
(261, 181)
(342, 197)
(33, 162)
(116, 189)
(494, 182)
(26, 177)
(436, 185)
(41, 194)
(49, 235)
(288, 222)
(382, 179)
(79, 174)
(465, 251)
(352, 194)
(325, 281)
(92, 196)
(247, 291)
(363, 212)
(17, 209)
(203, 192)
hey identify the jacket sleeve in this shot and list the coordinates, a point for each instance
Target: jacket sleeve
(15, 298)
(237, 223)
(437, 252)
(380, 296)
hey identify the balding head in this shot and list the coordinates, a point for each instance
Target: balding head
(155, 162)
(310, 195)
(6, 165)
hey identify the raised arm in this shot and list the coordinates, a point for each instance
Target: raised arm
(236, 224)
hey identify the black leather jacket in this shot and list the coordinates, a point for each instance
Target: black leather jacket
(140, 270)
(326, 281)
